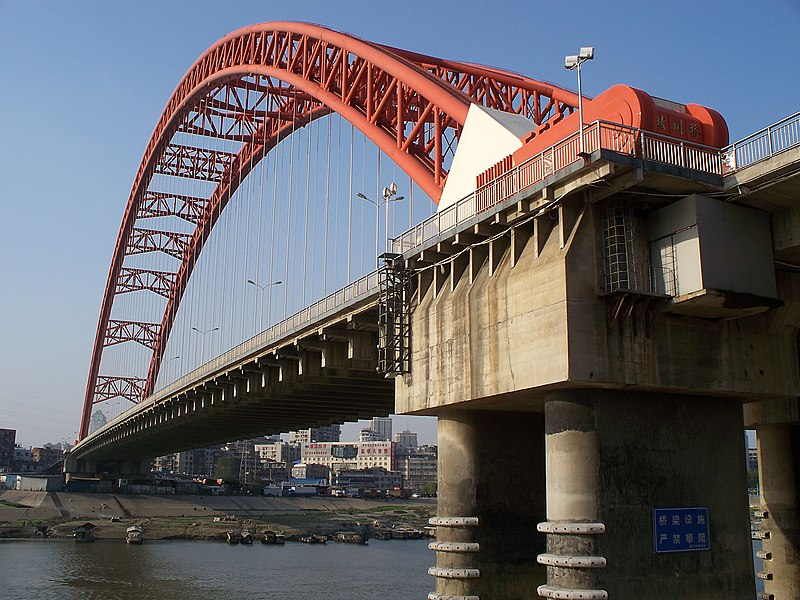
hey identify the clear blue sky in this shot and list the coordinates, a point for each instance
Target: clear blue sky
(83, 84)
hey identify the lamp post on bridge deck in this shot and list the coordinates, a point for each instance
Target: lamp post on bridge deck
(203, 333)
(574, 62)
(389, 195)
(261, 302)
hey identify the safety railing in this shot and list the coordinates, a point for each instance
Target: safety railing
(600, 135)
(763, 144)
(338, 300)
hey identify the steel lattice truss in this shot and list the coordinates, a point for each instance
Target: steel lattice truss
(129, 388)
(241, 97)
(132, 331)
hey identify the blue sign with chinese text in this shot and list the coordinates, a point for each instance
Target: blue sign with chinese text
(681, 529)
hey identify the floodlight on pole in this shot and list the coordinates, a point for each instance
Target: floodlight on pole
(574, 61)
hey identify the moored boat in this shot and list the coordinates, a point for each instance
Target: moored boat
(406, 533)
(351, 537)
(133, 535)
(271, 537)
(84, 533)
(245, 538)
(232, 537)
(313, 539)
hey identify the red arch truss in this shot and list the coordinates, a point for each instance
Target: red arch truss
(252, 89)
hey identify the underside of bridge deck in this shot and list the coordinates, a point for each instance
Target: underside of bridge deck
(321, 375)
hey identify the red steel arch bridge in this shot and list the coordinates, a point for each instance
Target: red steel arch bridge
(241, 300)
(247, 95)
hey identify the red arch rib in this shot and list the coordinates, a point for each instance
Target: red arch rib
(372, 86)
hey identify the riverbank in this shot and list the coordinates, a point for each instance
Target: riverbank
(55, 514)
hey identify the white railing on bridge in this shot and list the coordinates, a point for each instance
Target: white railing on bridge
(338, 300)
(600, 135)
(763, 144)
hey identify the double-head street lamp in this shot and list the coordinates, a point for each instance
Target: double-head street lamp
(203, 333)
(389, 195)
(261, 302)
(575, 62)
(265, 286)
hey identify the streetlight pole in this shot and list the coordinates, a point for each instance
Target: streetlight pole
(203, 333)
(389, 195)
(166, 361)
(261, 303)
(574, 62)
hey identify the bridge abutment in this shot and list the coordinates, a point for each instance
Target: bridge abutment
(490, 496)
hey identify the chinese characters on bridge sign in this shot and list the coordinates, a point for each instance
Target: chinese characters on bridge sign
(681, 529)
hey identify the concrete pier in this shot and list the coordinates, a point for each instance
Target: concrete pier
(490, 497)
(613, 458)
(779, 474)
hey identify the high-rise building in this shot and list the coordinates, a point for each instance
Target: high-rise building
(405, 439)
(370, 435)
(8, 438)
(326, 433)
(383, 427)
(344, 455)
(98, 420)
(277, 452)
(418, 466)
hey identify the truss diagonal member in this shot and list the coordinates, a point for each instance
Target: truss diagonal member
(110, 387)
(134, 280)
(194, 163)
(132, 331)
(153, 240)
(164, 204)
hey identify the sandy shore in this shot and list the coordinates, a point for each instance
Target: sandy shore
(55, 514)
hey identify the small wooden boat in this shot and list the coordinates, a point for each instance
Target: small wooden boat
(407, 533)
(133, 535)
(313, 539)
(351, 537)
(84, 533)
(271, 537)
(232, 537)
(245, 538)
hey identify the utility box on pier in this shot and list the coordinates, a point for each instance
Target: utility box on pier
(715, 258)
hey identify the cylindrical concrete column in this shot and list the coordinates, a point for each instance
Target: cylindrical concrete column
(778, 464)
(491, 495)
(572, 525)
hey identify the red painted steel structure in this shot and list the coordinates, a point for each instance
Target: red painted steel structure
(411, 106)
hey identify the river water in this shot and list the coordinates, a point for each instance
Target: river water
(194, 570)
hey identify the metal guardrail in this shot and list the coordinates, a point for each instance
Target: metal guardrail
(603, 135)
(763, 144)
(356, 291)
(599, 135)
